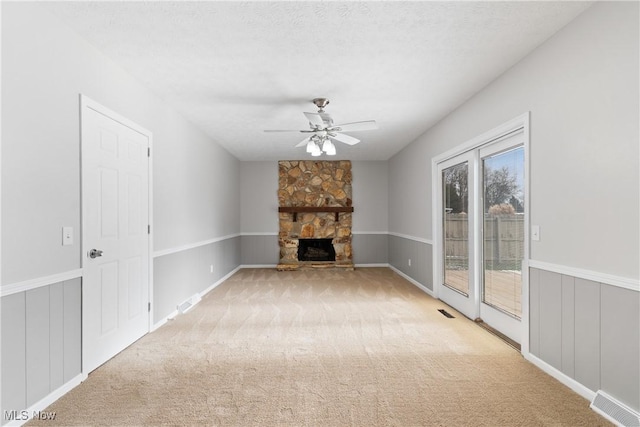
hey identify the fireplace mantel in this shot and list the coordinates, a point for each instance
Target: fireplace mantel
(307, 209)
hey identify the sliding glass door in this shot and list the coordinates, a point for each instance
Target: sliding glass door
(482, 233)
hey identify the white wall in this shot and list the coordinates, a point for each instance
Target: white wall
(259, 197)
(370, 197)
(581, 87)
(45, 66)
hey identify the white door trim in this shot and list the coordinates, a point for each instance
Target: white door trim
(88, 103)
(521, 122)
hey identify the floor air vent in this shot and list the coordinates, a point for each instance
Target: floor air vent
(614, 411)
(445, 313)
(188, 304)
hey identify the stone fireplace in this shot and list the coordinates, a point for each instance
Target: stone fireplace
(315, 213)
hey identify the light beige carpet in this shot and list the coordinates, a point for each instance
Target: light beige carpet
(321, 348)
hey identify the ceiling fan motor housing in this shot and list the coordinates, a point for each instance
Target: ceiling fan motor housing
(321, 103)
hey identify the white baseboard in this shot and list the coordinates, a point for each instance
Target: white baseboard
(258, 266)
(164, 320)
(219, 281)
(374, 265)
(413, 281)
(196, 300)
(43, 403)
(560, 376)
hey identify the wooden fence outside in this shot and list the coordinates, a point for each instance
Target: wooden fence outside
(503, 239)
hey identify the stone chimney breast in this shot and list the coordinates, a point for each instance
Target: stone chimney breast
(303, 187)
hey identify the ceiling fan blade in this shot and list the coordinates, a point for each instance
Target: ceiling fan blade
(344, 138)
(304, 142)
(316, 120)
(354, 126)
(284, 130)
(326, 118)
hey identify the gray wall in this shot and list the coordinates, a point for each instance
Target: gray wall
(259, 249)
(196, 190)
(370, 197)
(402, 249)
(259, 197)
(41, 342)
(370, 248)
(180, 275)
(588, 331)
(581, 87)
(45, 67)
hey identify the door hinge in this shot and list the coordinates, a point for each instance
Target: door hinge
(149, 307)
(149, 229)
(148, 151)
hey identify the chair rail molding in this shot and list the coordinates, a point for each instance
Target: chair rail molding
(607, 279)
(38, 282)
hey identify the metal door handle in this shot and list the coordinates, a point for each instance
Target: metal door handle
(95, 253)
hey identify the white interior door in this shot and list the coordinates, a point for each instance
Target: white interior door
(115, 199)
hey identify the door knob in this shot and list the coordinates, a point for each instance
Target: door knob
(95, 253)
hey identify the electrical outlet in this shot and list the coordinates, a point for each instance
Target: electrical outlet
(211, 268)
(67, 236)
(409, 262)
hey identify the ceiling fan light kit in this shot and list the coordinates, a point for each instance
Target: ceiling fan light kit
(323, 131)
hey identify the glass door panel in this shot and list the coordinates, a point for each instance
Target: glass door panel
(456, 227)
(503, 230)
(456, 207)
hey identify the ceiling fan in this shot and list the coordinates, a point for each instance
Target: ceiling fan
(322, 131)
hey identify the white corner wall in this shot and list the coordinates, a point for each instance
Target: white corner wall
(370, 197)
(45, 66)
(581, 87)
(259, 197)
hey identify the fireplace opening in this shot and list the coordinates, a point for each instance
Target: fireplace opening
(316, 250)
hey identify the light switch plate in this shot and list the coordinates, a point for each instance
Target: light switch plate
(67, 236)
(535, 232)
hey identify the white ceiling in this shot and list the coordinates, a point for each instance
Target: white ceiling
(237, 68)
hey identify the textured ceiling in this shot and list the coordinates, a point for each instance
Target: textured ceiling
(237, 68)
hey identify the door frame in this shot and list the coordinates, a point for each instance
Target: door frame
(87, 103)
(519, 123)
